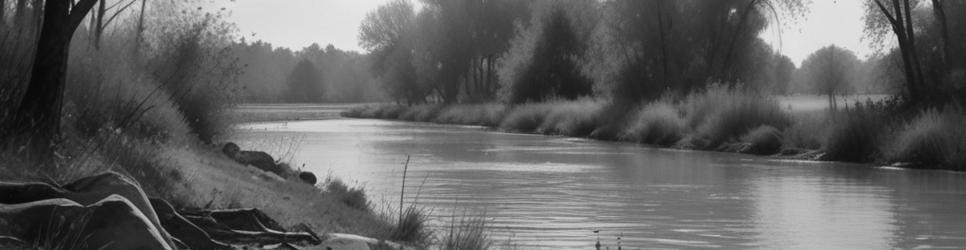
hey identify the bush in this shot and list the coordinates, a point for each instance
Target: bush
(932, 139)
(421, 113)
(525, 117)
(721, 114)
(472, 114)
(764, 140)
(808, 130)
(656, 123)
(571, 118)
(855, 136)
(352, 197)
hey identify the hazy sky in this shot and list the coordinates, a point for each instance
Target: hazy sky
(299, 23)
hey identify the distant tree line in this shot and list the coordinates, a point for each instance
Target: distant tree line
(528, 51)
(633, 51)
(313, 74)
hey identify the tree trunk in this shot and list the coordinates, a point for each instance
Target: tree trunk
(3, 8)
(940, 12)
(661, 33)
(99, 23)
(19, 12)
(726, 64)
(140, 31)
(38, 115)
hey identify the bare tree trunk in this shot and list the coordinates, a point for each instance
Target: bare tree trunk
(19, 14)
(140, 31)
(99, 23)
(39, 112)
(3, 8)
(661, 33)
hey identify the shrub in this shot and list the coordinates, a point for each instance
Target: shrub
(933, 139)
(764, 140)
(855, 136)
(656, 123)
(571, 118)
(193, 64)
(525, 117)
(808, 130)
(472, 114)
(721, 114)
(352, 197)
(421, 113)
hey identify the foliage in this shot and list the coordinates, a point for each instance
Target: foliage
(933, 138)
(830, 71)
(352, 197)
(657, 123)
(552, 70)
(763, 140)
(856, 135)
(304, 84)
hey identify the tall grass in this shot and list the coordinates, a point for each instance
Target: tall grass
(657, 123)
(468, 232)
(856, 136)
(722, 114)
(932, 138)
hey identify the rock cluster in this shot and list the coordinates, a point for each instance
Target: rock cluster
(265, 162)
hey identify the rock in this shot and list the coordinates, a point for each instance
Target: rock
(111, 223)
(230, 149)
(308, 177)
(259, 159)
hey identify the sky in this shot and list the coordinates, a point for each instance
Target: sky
(299, 23)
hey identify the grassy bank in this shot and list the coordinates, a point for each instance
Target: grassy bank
(724, 119)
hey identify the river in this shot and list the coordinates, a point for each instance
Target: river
(551, 192)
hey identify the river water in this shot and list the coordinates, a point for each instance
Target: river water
(553, 192)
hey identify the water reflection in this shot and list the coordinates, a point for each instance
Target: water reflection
(552, 192)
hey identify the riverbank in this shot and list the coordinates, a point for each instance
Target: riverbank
(728, 120)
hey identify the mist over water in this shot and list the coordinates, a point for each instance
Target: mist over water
(552, 192)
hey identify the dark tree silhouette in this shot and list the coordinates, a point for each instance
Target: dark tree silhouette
(553, 69)
(829, 71)
(40, 109)
(304, 83)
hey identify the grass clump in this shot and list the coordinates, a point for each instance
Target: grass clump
(352, 197)
(855, 135)
(807, 131)
(721, 114)
(525, 117)
(656, 123)
(472, 114)
(466, 233)
(412, 227)
(764, 140)
(572, 118)
(932, 138)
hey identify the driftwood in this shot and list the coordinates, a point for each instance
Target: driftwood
(110, 211)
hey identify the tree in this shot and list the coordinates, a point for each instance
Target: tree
(830, 71)
(40, 109)
(387, 34)
(304, 83)
(553, 70)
